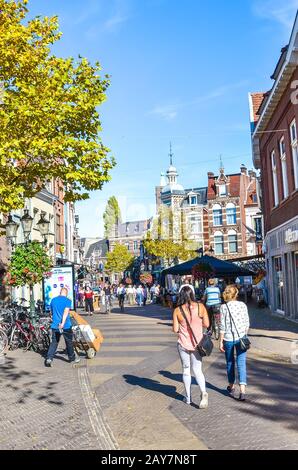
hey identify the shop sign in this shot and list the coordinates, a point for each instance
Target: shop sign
(291, 236)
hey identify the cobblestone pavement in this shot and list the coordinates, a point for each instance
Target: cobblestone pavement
(137, 379)
(49, 408)
(130, 395)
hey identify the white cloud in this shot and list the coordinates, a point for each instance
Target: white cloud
(114, 22)
(170, 112)
(165, 112)
(281, 11)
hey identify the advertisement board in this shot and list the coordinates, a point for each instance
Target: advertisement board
(62, 276)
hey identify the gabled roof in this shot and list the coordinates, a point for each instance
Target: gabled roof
(234, 185)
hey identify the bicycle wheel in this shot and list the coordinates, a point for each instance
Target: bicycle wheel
(3, 341)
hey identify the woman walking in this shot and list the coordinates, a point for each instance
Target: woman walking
(234, 325)
(197, 317)
(89, 300)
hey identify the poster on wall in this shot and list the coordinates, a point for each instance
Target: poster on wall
(62, 276)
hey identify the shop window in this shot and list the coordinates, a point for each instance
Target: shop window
(278, 283)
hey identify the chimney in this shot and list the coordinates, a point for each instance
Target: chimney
(210, 174)
(243, 169)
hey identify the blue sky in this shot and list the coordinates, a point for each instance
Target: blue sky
(180, 71)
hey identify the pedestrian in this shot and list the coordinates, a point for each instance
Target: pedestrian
(89, 300)
(140, 296)
(145, 294)
(121, 296)
(234, 325)
(130, 295)
(81, 297)
(153, 294)
(103, 299)
(108, 297)
(212, 300)
(61, 325)
(197, 316)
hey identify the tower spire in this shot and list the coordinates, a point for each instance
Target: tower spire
(221, 167)
(171, 154)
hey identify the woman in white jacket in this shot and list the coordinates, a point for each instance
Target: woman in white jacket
(234, 324)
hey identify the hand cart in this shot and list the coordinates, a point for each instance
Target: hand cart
(80, 341)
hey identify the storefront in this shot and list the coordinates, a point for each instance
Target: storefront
(281, 248)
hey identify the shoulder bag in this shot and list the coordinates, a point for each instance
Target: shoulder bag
(205, 346)
(244, 341)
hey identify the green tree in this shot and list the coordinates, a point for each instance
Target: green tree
(48, 112)
(28, 266)
(118, 260)
(111, 216)
(167, 250)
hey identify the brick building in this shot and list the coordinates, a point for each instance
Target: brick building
(274, 117)
(234, 214)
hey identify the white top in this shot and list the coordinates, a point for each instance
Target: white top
(239, 314)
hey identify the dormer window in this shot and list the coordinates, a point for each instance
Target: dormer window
(193, 200)
(222, 190)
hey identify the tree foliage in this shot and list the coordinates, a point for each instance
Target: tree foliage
(168, 250)
(118, 260)
(48, 112)
(29, 265)
(111, 216)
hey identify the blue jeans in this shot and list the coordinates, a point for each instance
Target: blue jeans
(56, 335)
(230, 347)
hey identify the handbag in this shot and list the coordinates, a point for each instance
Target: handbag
(244, 341)
(205, 346)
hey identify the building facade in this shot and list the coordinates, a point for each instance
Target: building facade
(183, 212)
(274, 118)
(130, 234)
(233, 214)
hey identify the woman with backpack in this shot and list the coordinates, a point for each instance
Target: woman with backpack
(190, 312)
(234, 325)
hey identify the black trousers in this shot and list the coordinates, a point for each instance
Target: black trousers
(89, 305)
(67, 335)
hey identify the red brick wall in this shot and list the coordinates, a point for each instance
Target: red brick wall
(282, 118)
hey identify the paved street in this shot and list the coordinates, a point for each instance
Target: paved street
(130, 395)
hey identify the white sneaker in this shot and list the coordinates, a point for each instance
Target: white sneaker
(204, 401)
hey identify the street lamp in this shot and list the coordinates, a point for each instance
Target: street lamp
(27, 222)
(11, 228)
(44, 227)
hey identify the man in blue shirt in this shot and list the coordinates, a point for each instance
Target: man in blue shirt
(61, 325)
(212, 299)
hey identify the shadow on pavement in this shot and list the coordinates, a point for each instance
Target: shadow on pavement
(273, 393)
(27, 385)
(154, 385)
(155, 311)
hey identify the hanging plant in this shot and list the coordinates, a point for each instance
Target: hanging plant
(202, 271)
(146, 278)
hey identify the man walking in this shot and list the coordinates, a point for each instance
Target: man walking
(61, 325)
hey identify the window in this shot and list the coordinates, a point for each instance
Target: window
(217, 215)
(137, 228)
(195, 224)
(222, 190)
(283, 159)
(193, 200)
(231, 214)
(274, 177)
(127, 246)
(232, 239)
(219, 243)
(293, 132)
(278, 281)
(294, 143)
(135, 245)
